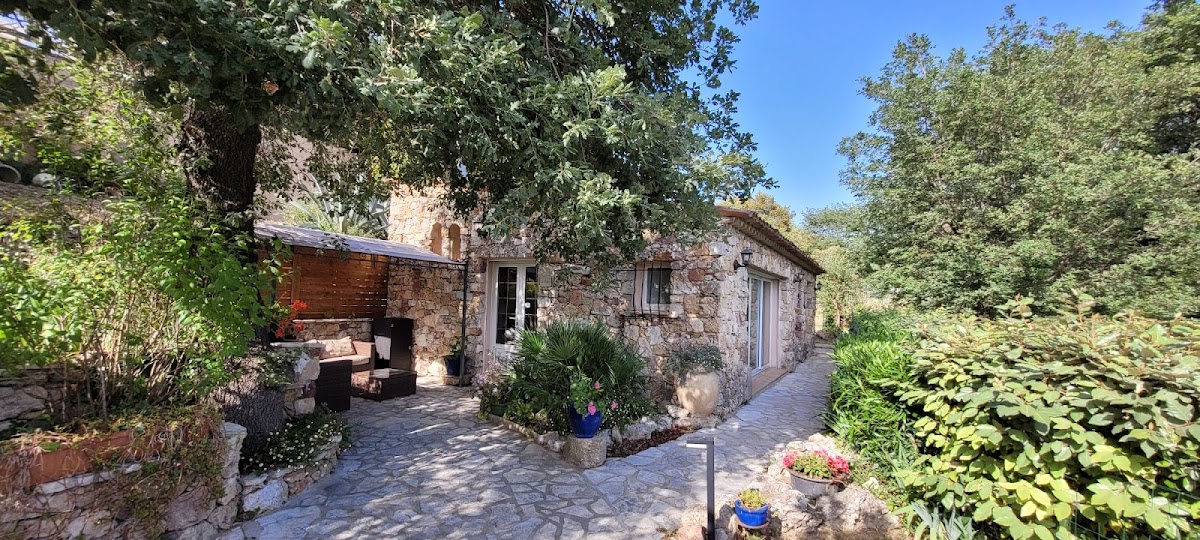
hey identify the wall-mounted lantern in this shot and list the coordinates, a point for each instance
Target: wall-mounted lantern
(743, 259)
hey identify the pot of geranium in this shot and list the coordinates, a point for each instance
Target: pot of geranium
(697, 384)
(817, 472)
(751, 509)
(583, 414)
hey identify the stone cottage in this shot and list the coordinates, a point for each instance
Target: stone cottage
(761, 315)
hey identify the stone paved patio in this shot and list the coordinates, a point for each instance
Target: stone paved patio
(424, 466)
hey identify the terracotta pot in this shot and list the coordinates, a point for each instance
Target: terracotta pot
(699, 393)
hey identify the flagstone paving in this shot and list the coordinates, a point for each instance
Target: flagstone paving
(425, 466)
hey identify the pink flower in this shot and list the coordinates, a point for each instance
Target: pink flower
(591, 408)
(613, 406)
(597, 385)
(788, 460)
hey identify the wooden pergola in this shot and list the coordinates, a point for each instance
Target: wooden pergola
(344, 276)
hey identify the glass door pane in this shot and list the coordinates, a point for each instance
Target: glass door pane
(506, 302)
(755, 323)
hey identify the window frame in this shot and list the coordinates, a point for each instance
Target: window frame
(642, 292)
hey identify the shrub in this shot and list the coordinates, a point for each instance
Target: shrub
(537, 388)
(297, 443)
(693, 358)
(752, 499)
(863, 410)
(928, 523)
(121, 283)
(1029, 423)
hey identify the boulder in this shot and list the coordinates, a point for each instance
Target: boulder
(270, 496)
(21, 402)
(586, 453)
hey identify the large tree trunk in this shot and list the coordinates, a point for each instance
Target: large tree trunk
(224, 178)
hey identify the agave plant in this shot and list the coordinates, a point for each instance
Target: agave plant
(932, 524)
(321, 210)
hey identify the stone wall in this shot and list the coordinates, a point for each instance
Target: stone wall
(356, 329)
(75, 507)
(708, 296)
(22, 398)
(432, 298)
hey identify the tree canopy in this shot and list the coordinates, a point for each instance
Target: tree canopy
(1051, 160)
(588, 121)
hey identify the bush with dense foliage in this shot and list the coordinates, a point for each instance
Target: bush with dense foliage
(1053, 159)
(537, 388)
(1029, 423)
(117, 282)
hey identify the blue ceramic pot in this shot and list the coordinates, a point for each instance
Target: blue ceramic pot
(584, 427)
(752, 518)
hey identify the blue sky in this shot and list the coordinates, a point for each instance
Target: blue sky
(799, 63)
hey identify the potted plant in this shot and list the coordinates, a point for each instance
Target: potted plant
(286, 328)
(584, 415)
(697, 385)
(452, 360)
(751, 509)
(817, 472)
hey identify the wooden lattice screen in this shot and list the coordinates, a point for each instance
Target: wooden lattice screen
(334, 284)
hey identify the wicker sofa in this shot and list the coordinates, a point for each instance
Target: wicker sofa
(340, 358)
(360, 353)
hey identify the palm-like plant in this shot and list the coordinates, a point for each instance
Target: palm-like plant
(539, 384)
(321, 210)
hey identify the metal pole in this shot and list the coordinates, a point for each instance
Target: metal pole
(462, 327)
(749, 377)
(709, 446)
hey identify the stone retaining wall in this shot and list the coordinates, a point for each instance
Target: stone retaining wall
(267, 491)
(639, 430)
(75, 507)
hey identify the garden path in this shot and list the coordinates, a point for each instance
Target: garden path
(425, 466)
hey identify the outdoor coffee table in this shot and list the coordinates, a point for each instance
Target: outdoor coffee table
(381, 384)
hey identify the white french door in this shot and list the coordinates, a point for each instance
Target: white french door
(512, 303)
(761, 322)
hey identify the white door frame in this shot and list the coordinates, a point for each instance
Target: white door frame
(492, 291)
(768, 322)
